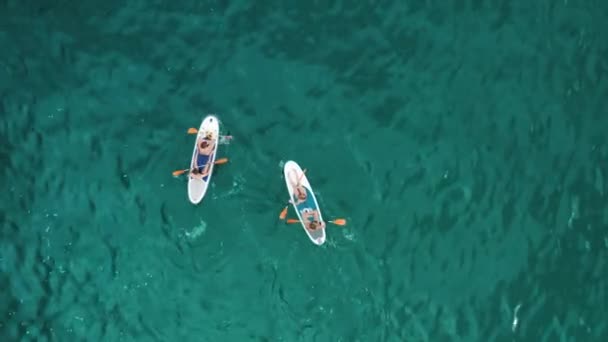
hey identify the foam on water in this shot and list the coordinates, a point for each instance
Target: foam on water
(196, 231)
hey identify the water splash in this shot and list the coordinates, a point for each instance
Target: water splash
(349, 235)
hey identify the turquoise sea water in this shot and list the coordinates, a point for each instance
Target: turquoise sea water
(463, 140)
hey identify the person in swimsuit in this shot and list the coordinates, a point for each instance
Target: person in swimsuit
(299, 192)
(205, 148)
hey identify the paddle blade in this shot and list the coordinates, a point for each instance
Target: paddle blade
(283, 213)
(293, 221)
(339, 222)
(178, 172)
(221, 161)
(192, 130)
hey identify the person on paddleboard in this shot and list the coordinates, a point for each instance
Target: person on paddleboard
(299, 191)
(205, 148)
(305, 204)
(311, 219)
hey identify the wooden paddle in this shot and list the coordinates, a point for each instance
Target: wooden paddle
(338, 222)
(283, 213)
(224, 139)
(217, 162)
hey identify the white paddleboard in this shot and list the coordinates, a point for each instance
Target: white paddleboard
(293, 173)
(198, 183)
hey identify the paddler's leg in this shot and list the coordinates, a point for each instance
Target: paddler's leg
(300, 194)
(206, 169)
(310, 215)
(202, 161)
(293, 179)
(306, 215)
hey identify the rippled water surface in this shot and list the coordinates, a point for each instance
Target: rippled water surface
(463, 140)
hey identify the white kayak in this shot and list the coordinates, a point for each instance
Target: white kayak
(202, 162)
(307, 207)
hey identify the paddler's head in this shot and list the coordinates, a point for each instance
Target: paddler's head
(313, 225)
(204, 144)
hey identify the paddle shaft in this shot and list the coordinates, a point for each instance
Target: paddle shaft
(216, 162)
(337, 222)
(222, 138)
